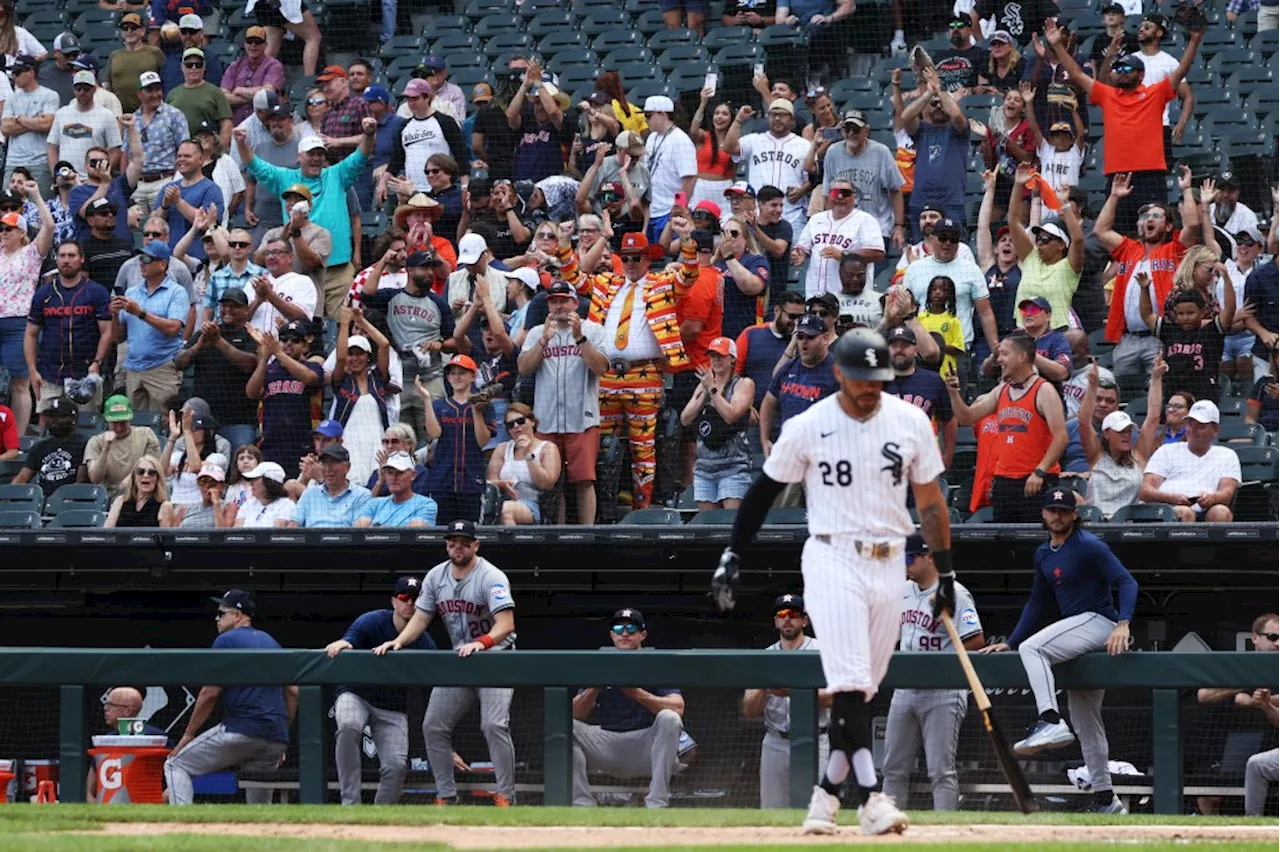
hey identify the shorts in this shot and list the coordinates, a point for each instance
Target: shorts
(12, 331)
(695, 7)
(534, 508)
(267, 13)
(579, 451)
(50, 391)
(1239, 345)
(714, 489)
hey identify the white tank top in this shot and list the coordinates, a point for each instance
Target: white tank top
(517, 470)
(1113, 485)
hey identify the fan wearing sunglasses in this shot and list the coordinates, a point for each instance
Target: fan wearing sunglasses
(384, 711)
(833, 233)
(1262, 769)
(747, 275)
(523, 467)
(634, 733)
(145, 501)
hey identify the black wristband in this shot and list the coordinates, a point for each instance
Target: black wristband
(581, 340)
(942, 561)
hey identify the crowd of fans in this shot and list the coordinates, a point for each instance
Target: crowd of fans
(560, 293)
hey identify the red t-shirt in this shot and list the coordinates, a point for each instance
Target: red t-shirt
(703, 301)
(1162, 261)
(9, 428)
(1134, 122)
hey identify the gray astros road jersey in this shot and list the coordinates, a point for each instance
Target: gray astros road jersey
(777, 710)
(467, 606)
(920, 631)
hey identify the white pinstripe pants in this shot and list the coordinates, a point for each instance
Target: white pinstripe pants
(854, 604)
(215, 749)
(390, 732)
(1061, 641)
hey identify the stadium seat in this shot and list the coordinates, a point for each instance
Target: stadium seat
(1145, 513)
(78, 495)
(790, 515)
(477, 9)
(11, 519)
(554, 42)
(453, 42)
(549, 21)
(1257, 462)
(690, 76)
(46, 18)
(982, 516)
(1090, 514)
(611, 40)
(1234, 429)
(22, 498)
(673, 57)
(714, 517)
(9, 469)
(651, 517)
(663, 39)
(1266, 43)
(650, 22)
(78, 518)
(401, 45)
(504, 42)
(441, 25)
(748, 53)
(637, 71)
(604, 20)
(581, 8)
(582, 57)
(631, 53)
(724, 36)
(533, 8)
(491, 25)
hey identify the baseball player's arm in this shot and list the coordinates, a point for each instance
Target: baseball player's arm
(655, 704)
(415, 628)
(935, 526)
(504, 624)
(1216, 696)
(753, 702)
(755, 506)
(204, 705)
(975, 642)
(584, 702)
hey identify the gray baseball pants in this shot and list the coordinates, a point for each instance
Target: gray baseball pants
(391, 737)
(775, 768)
(215, 749)
(445, 708)
(1259, 773)
(1061, 641)
(933, 716)
(650, 751)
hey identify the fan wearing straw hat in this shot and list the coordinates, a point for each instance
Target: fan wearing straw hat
(417, 218)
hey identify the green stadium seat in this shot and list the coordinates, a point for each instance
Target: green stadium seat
(714, 517)
(22, 498)
(451, 43)
(720, 37)
(1090, 514)
(581, 57)
(78, 519)
(1145, 513)
(689, 76)
(477, 9)
(533, 8)
(401, 45)
(632, 72)
(673, 57)
(1257, 463)
(621, 55)
(9, 469)
(17, 519)
(441, 25)
(1234, 430)
(982, 516)
(550, 21)
(781, 34)
(491, 25)
(650, 22)
(609, 40)
(506, 42)
(651, 517)
(604, 20)
(663, 39)
(553, 42)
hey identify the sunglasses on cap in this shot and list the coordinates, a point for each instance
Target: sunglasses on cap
(517, 421)
(627, 629)
(407, 597)
(815, 92)
(788, 613)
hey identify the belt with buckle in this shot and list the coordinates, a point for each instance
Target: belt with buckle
(622, 365)
(152, 177)
(786, 735)
(865, 549)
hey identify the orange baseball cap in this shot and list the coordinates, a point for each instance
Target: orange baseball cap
(331, 72)
(723, 346)
(463, 361)
(637, 241)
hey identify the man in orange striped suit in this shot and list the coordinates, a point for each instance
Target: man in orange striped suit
(638, 312)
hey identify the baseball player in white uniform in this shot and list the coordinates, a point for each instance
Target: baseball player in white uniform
(776, 158)
(832, 234)
(856, 452)
(775, 705)
(473, 598)
(931, 715)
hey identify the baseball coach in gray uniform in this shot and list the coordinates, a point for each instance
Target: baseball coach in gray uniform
(931, 715)
(473, 598)
(775, 705)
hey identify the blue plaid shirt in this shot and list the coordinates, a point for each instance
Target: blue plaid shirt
(224, 278)
(317, 509)
(160, 138)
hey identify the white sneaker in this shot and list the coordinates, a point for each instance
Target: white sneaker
(821, 818)
(881, 816)
(1045, 736)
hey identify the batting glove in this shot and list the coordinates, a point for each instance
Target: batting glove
(944, 600)
(724, 580)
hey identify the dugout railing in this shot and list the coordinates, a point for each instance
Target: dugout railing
(559, 673)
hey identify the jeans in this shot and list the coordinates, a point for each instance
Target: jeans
(389, 9)
(238, 435)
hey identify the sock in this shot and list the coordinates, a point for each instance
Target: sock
(898, 36)
(1053, 717)
(1103, 797)
(837, 771)
(864, 768)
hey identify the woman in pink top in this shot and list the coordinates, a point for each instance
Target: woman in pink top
(20, 259)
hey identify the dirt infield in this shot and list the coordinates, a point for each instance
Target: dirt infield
(541, 837)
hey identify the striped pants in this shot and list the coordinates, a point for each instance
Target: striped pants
(636, 398)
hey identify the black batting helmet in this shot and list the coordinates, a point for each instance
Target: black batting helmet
(862, 355)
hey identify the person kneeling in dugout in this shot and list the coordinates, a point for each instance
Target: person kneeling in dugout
(636, 732)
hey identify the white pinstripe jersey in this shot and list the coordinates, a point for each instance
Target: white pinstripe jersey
(858, 230)
(920, 631)
(855, 473)
(776, 162)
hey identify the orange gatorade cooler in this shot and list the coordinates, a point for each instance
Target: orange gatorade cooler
(130, 769)
(6, 780)
(37, 772)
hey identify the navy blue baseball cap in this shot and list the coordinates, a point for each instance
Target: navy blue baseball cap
(408, 586)
(1059, 497)
(916, 545)
(788, 601)
(811, 325)
(461, 528)
(237, 599)
(630, 614)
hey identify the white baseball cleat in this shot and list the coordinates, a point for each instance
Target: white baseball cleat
(1116, 807)
(1045, 736)
(880, 816)
(821, 818)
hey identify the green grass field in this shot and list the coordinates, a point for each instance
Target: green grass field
(77, 827)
